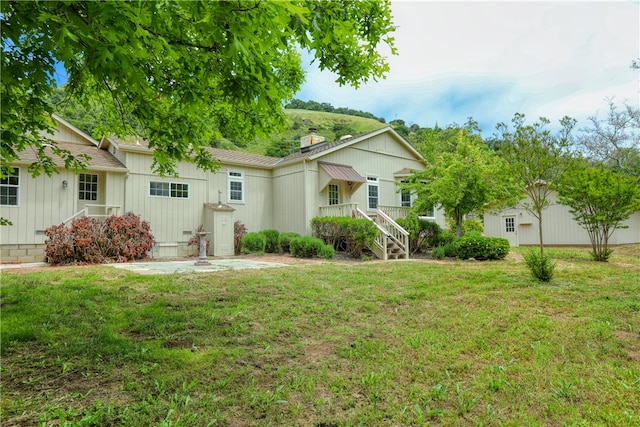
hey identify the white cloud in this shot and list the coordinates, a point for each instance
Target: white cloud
(492, 59)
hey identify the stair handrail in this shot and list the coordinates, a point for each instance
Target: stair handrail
(396, 232)
(382, 238)
(81, 212)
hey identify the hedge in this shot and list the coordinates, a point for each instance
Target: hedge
(473, 245)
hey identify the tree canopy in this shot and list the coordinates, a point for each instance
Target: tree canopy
(179, 74)
(462, 175)
(600, 200)
(536, 158)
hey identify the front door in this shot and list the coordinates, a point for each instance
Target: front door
(510, 229)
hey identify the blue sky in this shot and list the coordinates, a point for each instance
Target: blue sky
(490, 60)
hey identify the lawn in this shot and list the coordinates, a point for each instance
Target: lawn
(332, 344)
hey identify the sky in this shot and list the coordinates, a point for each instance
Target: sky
(489, 60)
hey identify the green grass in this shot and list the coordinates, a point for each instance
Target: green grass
(397, 343)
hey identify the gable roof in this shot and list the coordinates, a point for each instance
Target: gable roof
(135, 144)
(100, 159)
(324, 149)
(222, 155)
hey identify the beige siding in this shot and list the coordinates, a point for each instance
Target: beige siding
(63, 134)
(255, 212)
(558, 227)
(289, 206)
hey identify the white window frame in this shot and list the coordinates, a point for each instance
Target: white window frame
(402, 193)
(373, 182)
(333, 194)
(5, 184)
(235, 177)
(92, 191)
(432, 216)
(169, 190)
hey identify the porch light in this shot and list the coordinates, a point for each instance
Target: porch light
(64, 183)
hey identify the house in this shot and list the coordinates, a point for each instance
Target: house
(558, 227)
(355, 176)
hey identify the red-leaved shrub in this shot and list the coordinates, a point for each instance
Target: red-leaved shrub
(90, 240)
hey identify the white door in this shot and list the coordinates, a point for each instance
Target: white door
(510, 229)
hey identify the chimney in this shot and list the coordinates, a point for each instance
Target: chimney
(310, 141)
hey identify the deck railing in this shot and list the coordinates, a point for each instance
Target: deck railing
(343, 209)
(95, 211)
(395, 212)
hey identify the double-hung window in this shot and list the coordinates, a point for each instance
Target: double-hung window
(174, 190)
(236, 186)
(334, 194)
(405, 197)
(372, 192)
(10, 188)
(88, 187)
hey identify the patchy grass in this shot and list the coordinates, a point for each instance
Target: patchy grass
(397, 343)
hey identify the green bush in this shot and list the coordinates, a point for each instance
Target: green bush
(326, 252)
(284, 240)
(540, 266)
(449, 249)
(306, 247)
(438, 252)
(271, 237)
(423, 234)
(467, 226)
(254, 243)
(444, 238)
(474, 245)
(356, 233)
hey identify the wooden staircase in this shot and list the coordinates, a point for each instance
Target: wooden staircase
(392, 241)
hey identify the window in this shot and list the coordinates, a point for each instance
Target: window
(88, 187)
(175, 190)
(9, 188)
(372, 192)
(405, 199)
(510, 224)
(429, 212)
(236, 187)
(334, 195)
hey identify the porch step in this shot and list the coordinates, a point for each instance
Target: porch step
(394, 251)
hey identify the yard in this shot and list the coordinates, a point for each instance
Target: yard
(326, 344)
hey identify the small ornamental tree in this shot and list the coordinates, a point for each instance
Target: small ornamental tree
(600, 200)
(536, 158)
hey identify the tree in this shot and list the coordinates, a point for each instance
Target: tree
(536, 159)
(600, 200)
(462, 177)
(614, 140)
(185, 73)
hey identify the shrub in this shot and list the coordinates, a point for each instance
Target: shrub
(90, 240)
(271, 237)
(239, 230)
(540, 266)
(467, 226)
(473, 245)
(254, 243)
(449, 249)
(306, 247)
(284, 240)
(438, 252)
(423, 234)
(326, 252)
(444, 238)
(355, 233)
